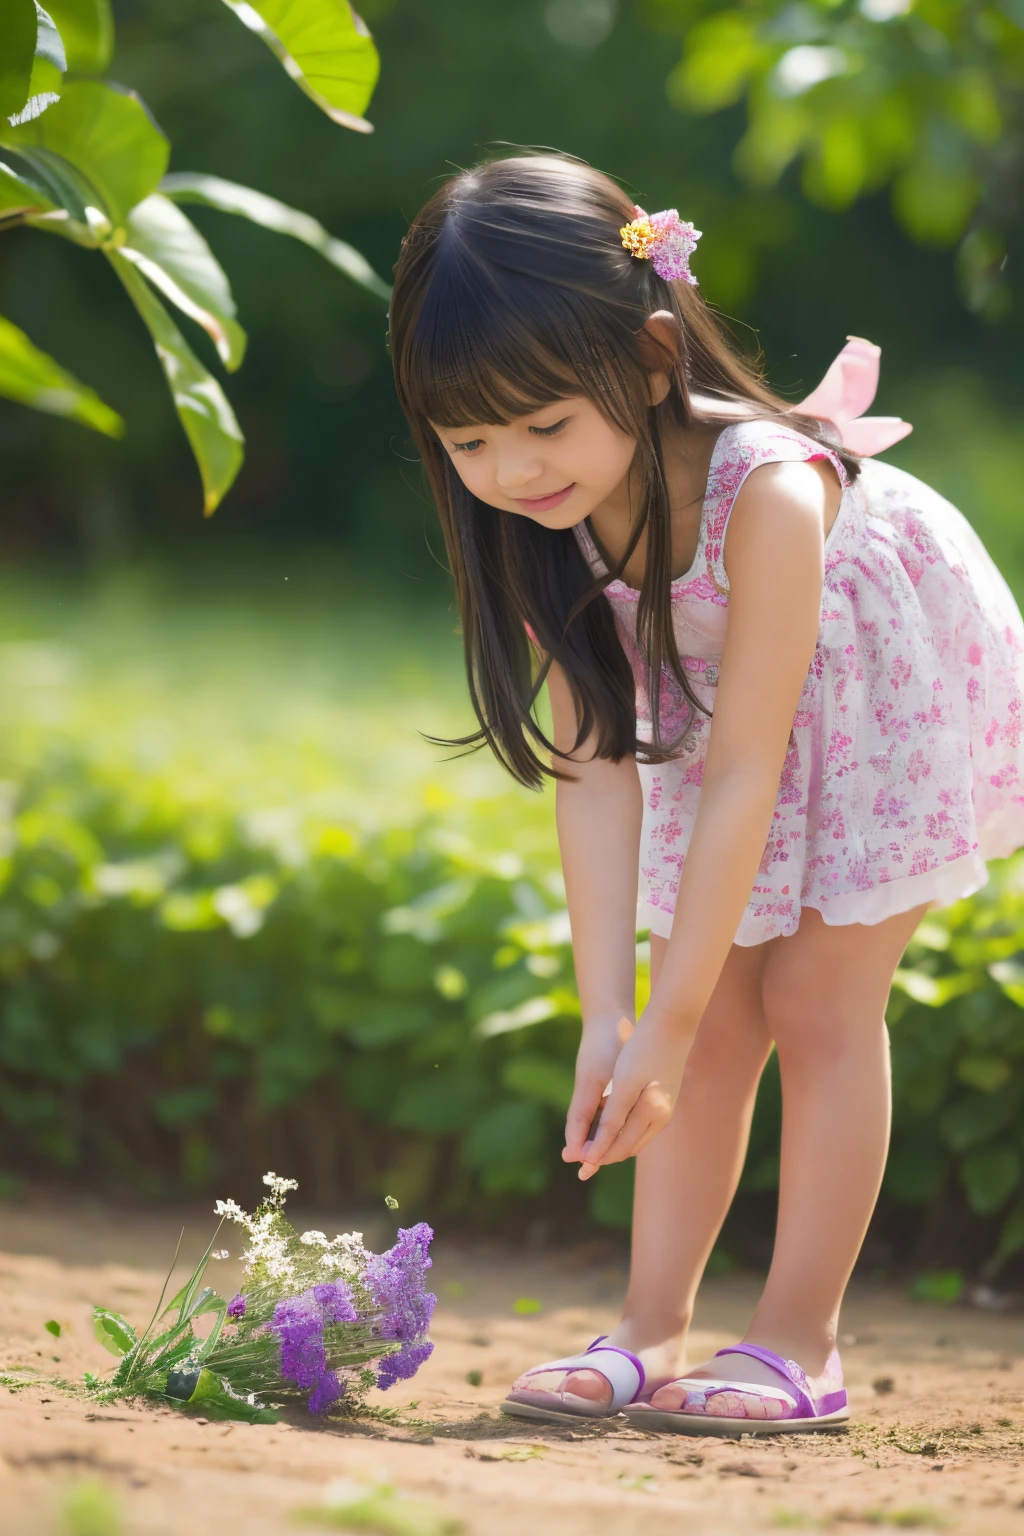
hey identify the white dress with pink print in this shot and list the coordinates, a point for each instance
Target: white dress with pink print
(903, 773)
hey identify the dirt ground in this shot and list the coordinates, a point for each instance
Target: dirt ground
(936, 1439)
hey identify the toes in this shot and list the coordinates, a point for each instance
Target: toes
(589, 1384)
(671, 1398)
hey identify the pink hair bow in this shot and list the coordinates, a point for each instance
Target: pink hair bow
(846, 392)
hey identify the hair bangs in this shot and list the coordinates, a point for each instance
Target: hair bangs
(482, 358)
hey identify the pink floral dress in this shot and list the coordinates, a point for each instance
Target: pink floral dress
(903, 773)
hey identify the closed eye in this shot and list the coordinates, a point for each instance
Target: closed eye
(550, 431)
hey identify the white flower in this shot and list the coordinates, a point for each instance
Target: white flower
(279, 1187)
(232, 1212)
(315, 1239)
(220, 1253)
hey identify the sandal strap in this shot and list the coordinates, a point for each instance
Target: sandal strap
(621, 1369)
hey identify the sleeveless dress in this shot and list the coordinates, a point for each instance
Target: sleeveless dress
(903, 773)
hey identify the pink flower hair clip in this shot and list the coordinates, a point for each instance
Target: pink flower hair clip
(663, 239)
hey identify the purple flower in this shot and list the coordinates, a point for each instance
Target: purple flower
(403, 1364)
(327, 1391)
(396, 1280)
(236, 1306)
(335, 1300)
(299, 1325)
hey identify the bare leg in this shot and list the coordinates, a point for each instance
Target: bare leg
(687, 1176)
(824, 993)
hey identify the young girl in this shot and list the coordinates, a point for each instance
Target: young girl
(785, 685)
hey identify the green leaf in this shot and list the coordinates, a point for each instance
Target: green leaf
(506, 1146)
(113, 1331)
(990, 1178)
(87, 29)
(18, 195)
(381, 1510)
(268, 213)
(215, 1399)
(324, 47)
(202, 407)
(985, 1072)
(978, 1117)
(49, 43)
(934, 201)
(168, 249)
(17, 51)
(53, 1327)
(836, 168)
(936, 991)
(33, 378)
(611, 1195)
(48, 68)
(106, 133)
(538, 1077)
(944, 1287)
(722, 52)
(1011, 1240)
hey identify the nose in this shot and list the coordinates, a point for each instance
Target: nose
(517, 470)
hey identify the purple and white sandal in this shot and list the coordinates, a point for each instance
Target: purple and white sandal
(718, 1407)
(619, 1367)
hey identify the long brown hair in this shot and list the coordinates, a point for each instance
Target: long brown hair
(513, 291)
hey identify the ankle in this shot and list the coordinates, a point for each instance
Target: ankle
(645, 1335)
(809, 1348)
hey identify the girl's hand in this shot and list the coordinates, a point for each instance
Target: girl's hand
(602, 1039)
(648, 1073)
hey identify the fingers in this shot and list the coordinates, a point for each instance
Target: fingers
(585, 1105)
(613, 1117)
(649, 1113)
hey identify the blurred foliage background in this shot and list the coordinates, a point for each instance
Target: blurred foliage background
(249, 918)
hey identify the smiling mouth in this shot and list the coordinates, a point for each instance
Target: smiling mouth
(546, 503)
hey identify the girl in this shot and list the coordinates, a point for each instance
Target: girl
(635, 520)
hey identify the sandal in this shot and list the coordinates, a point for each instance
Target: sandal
(717, 1407)
(619, 1367)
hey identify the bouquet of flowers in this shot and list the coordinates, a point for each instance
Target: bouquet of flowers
(317, 1319)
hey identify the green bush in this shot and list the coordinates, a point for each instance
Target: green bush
(185, 988)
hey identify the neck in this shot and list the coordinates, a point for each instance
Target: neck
(686, 455)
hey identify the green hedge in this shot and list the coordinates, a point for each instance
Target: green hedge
(188, 990)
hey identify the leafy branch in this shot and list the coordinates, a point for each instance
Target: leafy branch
(84, 159)
(924, 97)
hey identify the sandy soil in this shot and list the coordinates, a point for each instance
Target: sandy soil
(936, 1440)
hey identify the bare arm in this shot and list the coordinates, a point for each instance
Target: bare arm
(774, 557)
(598, 813)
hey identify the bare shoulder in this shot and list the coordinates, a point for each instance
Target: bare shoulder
(792, 499)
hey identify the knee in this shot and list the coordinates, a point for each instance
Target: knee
(810, 1018)
(729, 1048)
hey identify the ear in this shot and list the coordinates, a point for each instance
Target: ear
(661, 347)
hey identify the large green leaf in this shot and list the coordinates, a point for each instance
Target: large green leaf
(17, 51)
(106, 134)
(19, 195)
(208, 419)
(324, 47)
(229, 197)
(169, 250)
(87, 28)
(33, 378)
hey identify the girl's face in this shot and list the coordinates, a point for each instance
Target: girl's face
(557, 464)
